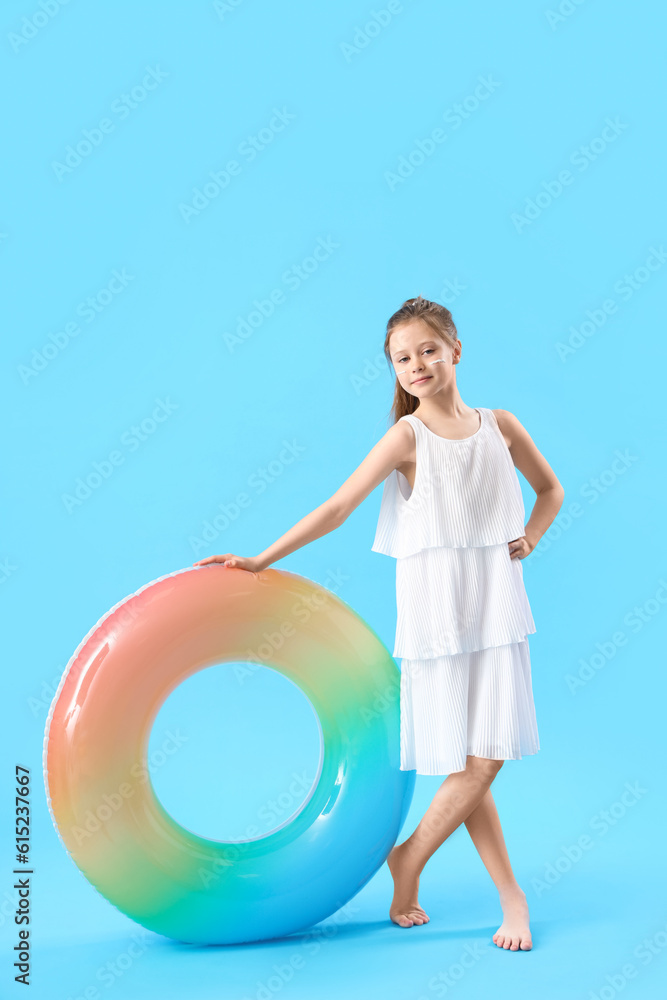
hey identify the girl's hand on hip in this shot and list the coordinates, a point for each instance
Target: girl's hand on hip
(229, 559)
(519, 548)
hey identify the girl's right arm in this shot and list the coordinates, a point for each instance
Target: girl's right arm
(390, 451)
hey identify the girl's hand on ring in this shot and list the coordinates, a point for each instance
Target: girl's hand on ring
(229, 559)
(520, 548)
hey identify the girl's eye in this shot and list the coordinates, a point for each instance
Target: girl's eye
(429, 350)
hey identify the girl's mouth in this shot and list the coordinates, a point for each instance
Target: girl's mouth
(424, 379)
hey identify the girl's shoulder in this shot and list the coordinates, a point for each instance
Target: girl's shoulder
(507, 424)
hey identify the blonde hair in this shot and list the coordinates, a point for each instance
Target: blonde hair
(440, 320)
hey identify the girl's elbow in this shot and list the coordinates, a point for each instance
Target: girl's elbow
(337, 514)
(559, 493)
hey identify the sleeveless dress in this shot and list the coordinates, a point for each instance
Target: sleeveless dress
(463, 615)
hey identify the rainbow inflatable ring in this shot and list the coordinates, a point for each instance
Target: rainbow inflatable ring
(163, 875)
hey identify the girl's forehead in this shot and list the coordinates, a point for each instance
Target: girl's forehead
(412, 333)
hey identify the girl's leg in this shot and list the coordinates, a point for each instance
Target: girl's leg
(483, 825)
(457, 796)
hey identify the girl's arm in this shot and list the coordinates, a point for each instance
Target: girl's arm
(390, 451)
(534, 466)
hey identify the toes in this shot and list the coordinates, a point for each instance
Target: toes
(512, 942)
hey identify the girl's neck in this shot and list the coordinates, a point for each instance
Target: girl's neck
(442, 408)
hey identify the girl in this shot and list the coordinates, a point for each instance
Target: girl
(452, 516)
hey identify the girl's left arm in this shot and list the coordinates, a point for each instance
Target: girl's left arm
(534, 466)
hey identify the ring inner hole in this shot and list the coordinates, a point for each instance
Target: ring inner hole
(235, 752)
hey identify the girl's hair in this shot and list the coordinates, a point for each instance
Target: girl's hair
(439, 319)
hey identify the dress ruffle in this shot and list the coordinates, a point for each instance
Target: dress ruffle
(478, 703)
(455, 600)
(466, 493)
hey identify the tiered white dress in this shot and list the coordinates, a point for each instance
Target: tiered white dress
(463, 615)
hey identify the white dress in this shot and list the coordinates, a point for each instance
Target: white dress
(463, 615)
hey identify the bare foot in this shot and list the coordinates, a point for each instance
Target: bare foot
(514, 932)
(405, 909)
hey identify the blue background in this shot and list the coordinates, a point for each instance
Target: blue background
(312, 373)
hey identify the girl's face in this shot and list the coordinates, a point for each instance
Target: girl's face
(422, 361)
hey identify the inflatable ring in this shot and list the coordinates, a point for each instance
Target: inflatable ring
(102, 801)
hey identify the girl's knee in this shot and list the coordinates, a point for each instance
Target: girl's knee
(484, 768)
